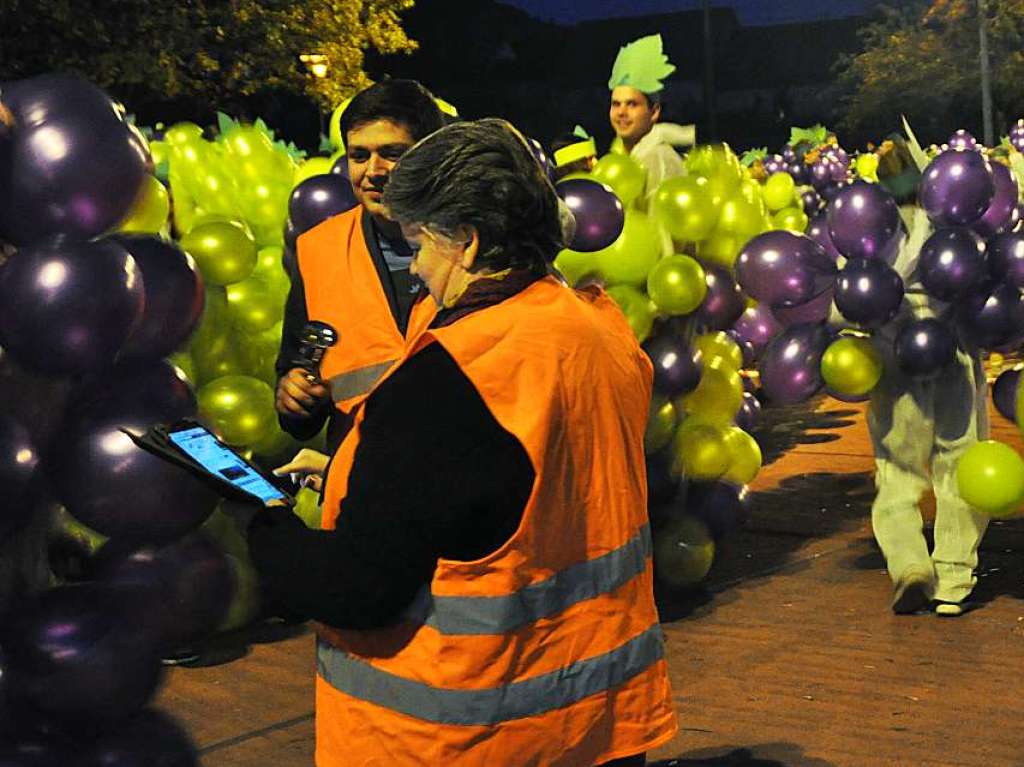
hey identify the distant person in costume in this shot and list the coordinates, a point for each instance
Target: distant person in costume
(574, 152)
(635, 111)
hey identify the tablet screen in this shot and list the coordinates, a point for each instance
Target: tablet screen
(220, 460)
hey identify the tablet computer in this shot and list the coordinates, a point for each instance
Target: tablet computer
(223, 463)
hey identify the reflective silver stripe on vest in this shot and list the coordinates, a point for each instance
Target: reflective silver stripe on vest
(531, 697)
(502, 614)
(360, 381)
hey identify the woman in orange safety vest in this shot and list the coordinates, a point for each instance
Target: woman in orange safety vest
(483, 581)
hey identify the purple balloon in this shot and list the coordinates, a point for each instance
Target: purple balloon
(814, 311)
(774, 163)
(598, 212)
(924, 347)
(340, 166)
(190, 578)
(817, 230)
(110, 484)
(789, 153)
(868, 292)
(317, 199)
(956, 188)
(151, 739)
(174, 297)
(1017, 136)
(757, 326)
(992, 316)
(74, 166)
(749, 412)
(19, 474)
(863, 220)
(811, 201)
(1001, 214)
(1004, 394)
(69, 307)
(1006, 258)
(781, 268)
(821, 174)
(746, 348)
(800, 171)
(722, 506)
(72, 655)
(962, 141)
(723, 304)
(952, 262)
(677, 368)
(791, 366)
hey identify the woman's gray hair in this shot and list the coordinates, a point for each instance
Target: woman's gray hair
(480, 174)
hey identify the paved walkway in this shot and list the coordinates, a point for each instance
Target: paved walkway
(789, 657)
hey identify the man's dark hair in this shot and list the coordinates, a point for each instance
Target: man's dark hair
(403, 102)
(480, 174)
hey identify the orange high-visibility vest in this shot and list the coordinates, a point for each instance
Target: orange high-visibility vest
(344, 290)
(547, 652)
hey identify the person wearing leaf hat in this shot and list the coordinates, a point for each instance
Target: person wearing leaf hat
(574, 152)
(635, 111)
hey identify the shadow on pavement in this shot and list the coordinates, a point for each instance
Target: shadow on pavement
(762, 755)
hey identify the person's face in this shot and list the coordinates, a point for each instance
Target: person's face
(631, 114)
(441, 262)
(373, 149)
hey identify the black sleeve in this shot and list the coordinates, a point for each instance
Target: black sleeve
(435, 475)
(295, 318)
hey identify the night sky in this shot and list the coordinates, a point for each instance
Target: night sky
(750, 11)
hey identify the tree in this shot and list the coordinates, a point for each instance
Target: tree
(213, 52)
(920, 59)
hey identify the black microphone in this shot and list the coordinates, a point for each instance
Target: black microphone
(316, 338)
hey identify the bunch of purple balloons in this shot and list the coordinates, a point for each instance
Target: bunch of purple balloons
(86, 319)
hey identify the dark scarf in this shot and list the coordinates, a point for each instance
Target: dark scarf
(486, 292)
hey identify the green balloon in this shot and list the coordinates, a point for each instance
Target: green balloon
(239, 408)
(637, 307)
(683, 551)
(990, 477)
(740, 217)
(661, 424)
(700, 450)
(308, 508)
(685, 207)
(851, 366)
(575, 265)
(719, 345)
(677, 284)
(252, 306)
(224, 252)
(779, 191)
(631, 256)
(623, 174)
(793, 219)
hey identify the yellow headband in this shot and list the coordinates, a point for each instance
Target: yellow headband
(578, 151)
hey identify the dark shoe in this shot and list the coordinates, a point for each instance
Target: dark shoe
(911, 595)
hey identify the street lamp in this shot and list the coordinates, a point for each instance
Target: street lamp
(986, 77)
(316, 63)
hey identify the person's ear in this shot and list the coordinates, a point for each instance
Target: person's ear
(656, 113)
(471, 248)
